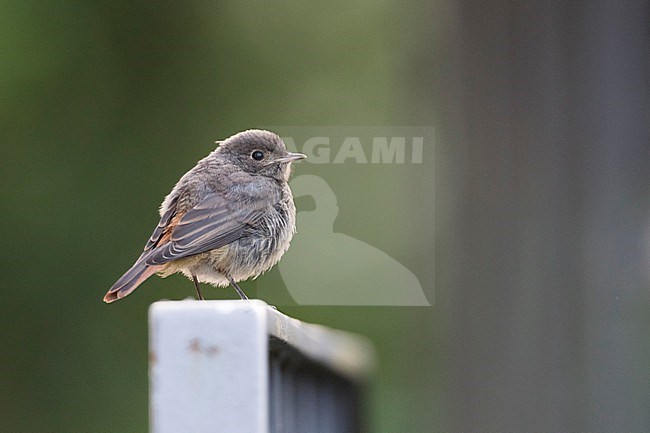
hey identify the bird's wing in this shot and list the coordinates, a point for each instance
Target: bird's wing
(165, 220)
(211, 224)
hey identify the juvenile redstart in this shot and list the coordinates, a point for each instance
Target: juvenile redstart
(228, 219)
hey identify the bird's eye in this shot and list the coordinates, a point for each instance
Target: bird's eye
(257, 155)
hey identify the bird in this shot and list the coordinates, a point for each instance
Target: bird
(228, 219)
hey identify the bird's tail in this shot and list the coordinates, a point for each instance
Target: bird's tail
(130, 281)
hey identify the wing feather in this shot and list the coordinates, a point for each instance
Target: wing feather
(165, 219)
(211, 224)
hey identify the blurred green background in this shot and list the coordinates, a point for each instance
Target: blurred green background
(540, 273)
(104, 106)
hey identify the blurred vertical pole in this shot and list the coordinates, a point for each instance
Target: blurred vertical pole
(612, 127)
(544, 124)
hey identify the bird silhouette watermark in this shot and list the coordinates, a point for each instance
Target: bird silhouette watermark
(329, 267)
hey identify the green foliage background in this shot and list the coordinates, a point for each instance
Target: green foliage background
(103, 105)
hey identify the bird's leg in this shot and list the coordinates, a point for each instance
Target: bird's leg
(199, 295)
(240, 292)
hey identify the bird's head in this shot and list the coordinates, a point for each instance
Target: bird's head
(260, 152)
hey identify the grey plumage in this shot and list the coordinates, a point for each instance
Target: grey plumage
(228, 219)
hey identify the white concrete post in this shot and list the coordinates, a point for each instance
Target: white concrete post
(209, 362)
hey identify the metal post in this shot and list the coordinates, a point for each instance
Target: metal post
(220, 366)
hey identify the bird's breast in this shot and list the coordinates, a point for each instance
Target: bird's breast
(262, 244)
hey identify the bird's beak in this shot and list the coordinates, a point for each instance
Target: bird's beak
(291, 157)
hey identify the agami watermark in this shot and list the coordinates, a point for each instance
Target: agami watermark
(360, 150)
(328, 267)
